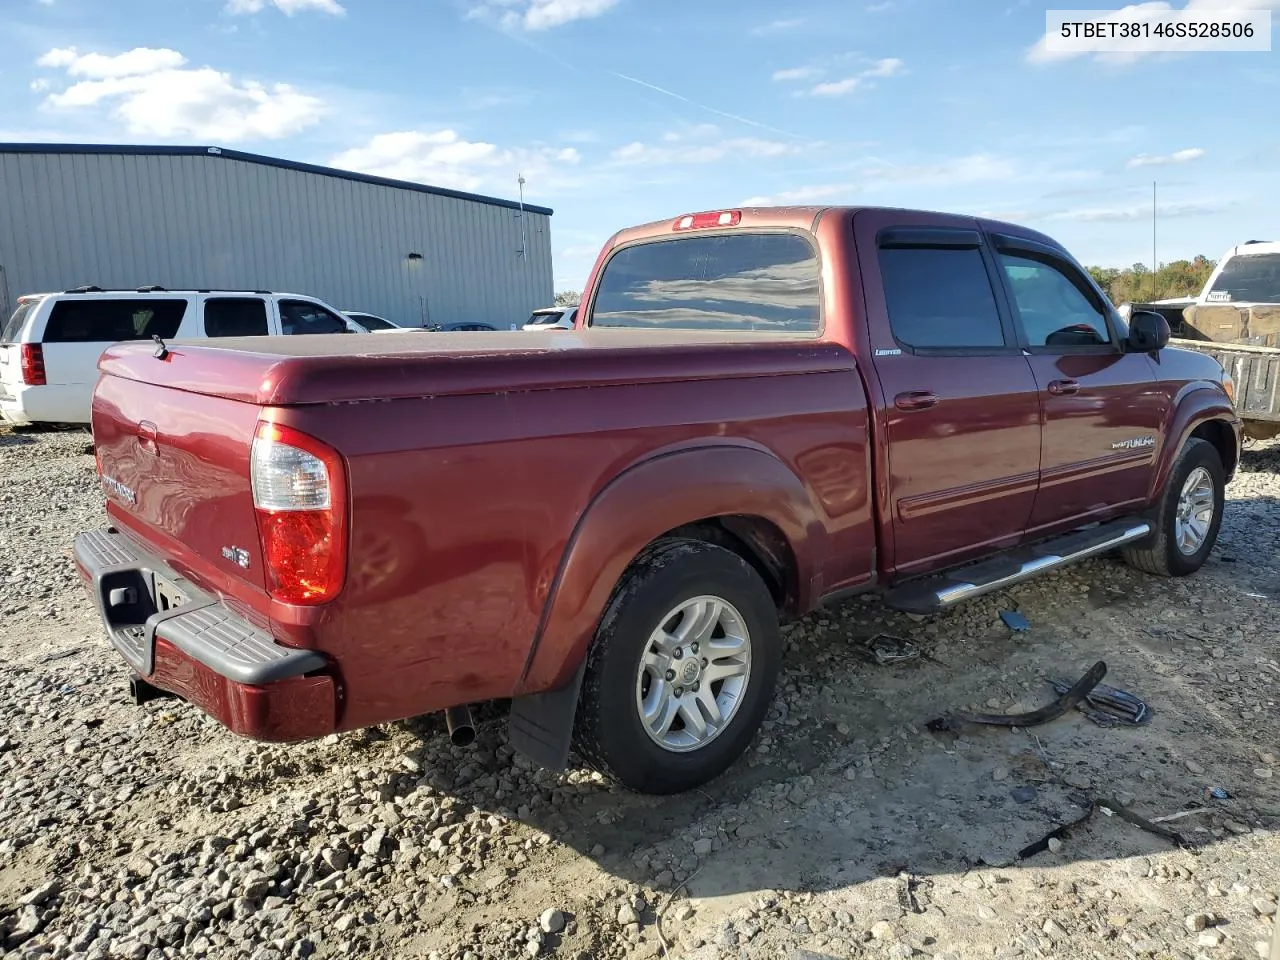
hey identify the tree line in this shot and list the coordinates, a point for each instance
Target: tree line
(1140, 284)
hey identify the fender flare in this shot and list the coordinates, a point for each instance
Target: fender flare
(1195, 404)
(666, 491)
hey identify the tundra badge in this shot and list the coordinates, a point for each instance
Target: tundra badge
(237, 555)
(120, 490)
(1134, 444)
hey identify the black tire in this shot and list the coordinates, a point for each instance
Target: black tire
(608, 731)
(1160, 555)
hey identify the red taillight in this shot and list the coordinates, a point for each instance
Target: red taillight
(702, 221)
(299, 496)
(31, 358)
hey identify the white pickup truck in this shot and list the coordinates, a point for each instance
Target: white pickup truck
(49, 347)
(1236, 320)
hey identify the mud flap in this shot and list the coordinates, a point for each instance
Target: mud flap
(541, 724)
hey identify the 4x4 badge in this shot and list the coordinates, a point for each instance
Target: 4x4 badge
(237, 555)
(1134, 444)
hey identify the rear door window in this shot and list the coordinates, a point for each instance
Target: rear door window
(300, 317)
(940, 298)
(741, 281)
(108, 321)
(235, 317)
(13, 326)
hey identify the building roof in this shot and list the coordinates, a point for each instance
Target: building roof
(182, 151)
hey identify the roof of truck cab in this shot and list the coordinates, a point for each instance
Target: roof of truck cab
(804, 218)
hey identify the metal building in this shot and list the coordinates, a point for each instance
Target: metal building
(205, 217)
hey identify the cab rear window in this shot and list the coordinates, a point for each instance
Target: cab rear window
(740, 281)
(88, 321)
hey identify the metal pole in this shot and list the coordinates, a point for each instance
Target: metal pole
(1155, 264)
(523, 247)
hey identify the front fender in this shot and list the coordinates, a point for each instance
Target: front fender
(644, 502)
(1196, 404)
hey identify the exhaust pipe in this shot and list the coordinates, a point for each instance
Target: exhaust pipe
(462, 729)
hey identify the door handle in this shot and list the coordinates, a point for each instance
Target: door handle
(1064, 388)
(915, 400)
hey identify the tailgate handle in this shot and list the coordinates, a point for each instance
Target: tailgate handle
(147, 436)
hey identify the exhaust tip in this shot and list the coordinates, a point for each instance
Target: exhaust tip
(462, 729)
(462, 736)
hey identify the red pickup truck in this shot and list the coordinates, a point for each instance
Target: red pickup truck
(759, 411)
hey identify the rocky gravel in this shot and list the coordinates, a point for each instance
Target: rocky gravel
(849, 830)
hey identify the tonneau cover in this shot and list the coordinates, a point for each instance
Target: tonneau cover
(345, 368)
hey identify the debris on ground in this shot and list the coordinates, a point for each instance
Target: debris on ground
(1069, 699)
(1015, 621)
(1108, 706)
(886, 650)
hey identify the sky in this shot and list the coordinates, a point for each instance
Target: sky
(619, 112)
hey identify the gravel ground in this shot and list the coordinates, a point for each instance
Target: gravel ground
(848, 831)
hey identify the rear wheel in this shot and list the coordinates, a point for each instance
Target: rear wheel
(1188, 516)
(681, 670)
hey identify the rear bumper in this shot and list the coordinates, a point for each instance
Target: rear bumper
(191, 644)
(48, 403)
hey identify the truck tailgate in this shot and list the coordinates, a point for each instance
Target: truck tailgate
(175, 472)
(1255, 370)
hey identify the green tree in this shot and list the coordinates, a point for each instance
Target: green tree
(1139, 284)
(568, 298)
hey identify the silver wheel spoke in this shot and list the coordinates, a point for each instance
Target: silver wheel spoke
(661, 713)
(694, 722)
(708, 705)
(723, 669)
(699, 622)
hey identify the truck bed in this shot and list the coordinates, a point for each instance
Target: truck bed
(336, 368)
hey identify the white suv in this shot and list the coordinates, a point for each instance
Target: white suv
(49, 348)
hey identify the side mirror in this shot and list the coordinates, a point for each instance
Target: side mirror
(1148, 332)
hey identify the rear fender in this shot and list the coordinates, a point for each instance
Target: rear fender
(1196, 404)
(640, 505)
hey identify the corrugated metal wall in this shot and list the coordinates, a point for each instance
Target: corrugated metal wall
(210, 221)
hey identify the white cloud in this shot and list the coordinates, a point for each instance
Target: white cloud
(1142, 212)
(444, 158)
(777, 26)
(1142, 13)
(287, 7)
(97, 66)
(880, 177)
(698, 145)
(152, 94)
(801, 195)
(1160, 160)
(886, 67)
(39, 85)
(795, 73)
(880, 7)
(836, 88)
(536, 15)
